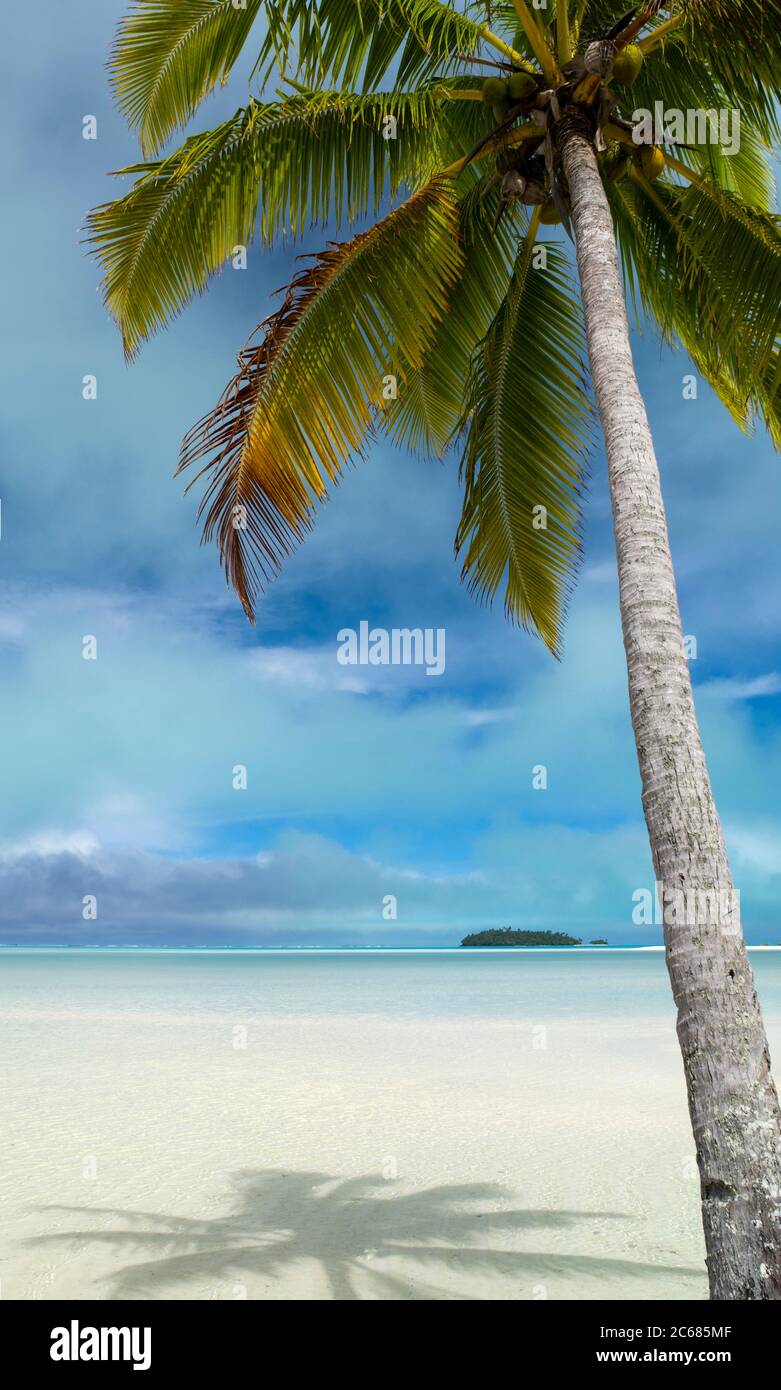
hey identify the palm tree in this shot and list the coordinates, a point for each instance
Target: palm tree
(447, 319)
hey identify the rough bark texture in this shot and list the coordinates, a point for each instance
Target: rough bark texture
(732, 1099)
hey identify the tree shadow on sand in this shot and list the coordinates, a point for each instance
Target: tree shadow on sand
(349, 1227)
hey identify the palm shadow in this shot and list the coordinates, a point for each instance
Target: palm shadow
(348, 1225)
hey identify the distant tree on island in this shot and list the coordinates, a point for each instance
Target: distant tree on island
(598, 941)
(509, 936)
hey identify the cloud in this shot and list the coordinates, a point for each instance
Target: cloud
(316, 668)
(137, 750)
(735, 688)
(755, 847)
(306, 888)
(46, 844)
(309, 889)
(373, 767)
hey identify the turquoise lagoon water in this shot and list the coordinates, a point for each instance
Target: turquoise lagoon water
(406, 984)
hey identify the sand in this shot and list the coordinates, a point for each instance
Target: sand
(167, 1155)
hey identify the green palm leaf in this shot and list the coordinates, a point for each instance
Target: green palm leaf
(680, 247)
(306, 395)
(169, 54)
(271, 168)
(681, 80)
(527, 425)
(740, 40)
(748, 173)
(352, 41)
(431, 397)
(481, 343)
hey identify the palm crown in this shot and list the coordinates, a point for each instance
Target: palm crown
(428, 132)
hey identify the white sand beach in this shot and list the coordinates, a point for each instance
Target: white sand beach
(165, 1152)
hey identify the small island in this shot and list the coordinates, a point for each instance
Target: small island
(509, 936)
(599, 941)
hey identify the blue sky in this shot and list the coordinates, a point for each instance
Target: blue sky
(118, 772)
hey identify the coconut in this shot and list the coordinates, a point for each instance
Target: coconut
(513, 185)
(549, 214)
(627, 65)
(494, 91)
(651, 161)
(600, 56)
(520, 85)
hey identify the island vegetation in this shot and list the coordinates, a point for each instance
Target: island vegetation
(598, 941)
(510, 936)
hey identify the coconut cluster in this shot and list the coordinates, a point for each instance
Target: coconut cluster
(502, 93)
(648, 160)
(517, 173)
(517, 87)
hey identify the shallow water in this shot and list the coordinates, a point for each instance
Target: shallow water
(425, 984)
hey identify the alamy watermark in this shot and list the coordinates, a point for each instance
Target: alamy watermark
(77, 1343)
(695, 126)
(397, 646)
(689, 907)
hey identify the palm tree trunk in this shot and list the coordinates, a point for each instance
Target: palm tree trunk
(732, 1098)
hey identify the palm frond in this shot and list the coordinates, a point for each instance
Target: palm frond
(430, 404)
(362, 41)
(169, 54)
(740, 40)
(503, 17)
(272, 168)
(527, 424)
(305, 395)
(769, 397)
(680, 248)
(747, 174)
(483, 346)
(682, 79)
